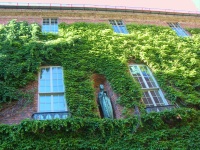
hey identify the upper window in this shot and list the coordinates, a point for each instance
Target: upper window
(178, 29)
(50, 25)
(152, 94)
(118, 26)
(51, 90)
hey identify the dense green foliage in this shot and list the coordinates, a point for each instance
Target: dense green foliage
(159, 131)
(193, 31)
(84, 49)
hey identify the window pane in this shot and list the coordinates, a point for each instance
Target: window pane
(147, 76)
(45, 73)
(44, 82)
(46, 28)
(123, 29)
(147, 99)
(59, 102)
(136, 74)
(45, 99)
(157, 98)
(54, 21)
(54, 28)
(135, 70)
(58, 85)
(116, 29)
(119, 22)
(112, 22)
(45, 21)
(51, 80)
(45, 103)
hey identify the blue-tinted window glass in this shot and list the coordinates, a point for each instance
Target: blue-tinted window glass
(123, 29)
(116, 29)
(59, 102)
(51, 80)
(46, 28)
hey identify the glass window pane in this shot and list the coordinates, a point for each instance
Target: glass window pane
(54, 28)
(45, 107)
(147, 99)
(157, 98)
(112, 22)
(115, 28)
(147, 76)
(45, 99)
(45, 21)
(135, 70)
(61, 88)
(46, 28)
(43, 73)
(54, 21)
(59, 102)
(49, 83)
(123, 29)
(119, 22)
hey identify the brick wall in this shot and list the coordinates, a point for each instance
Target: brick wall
(71, 16)
(14, 112)
(100, 79)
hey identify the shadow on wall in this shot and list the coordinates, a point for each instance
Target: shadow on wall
(100, 79)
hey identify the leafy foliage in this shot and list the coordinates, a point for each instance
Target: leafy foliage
(159, 131)
(84, 49)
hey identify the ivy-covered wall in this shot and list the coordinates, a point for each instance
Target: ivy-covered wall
(84, 49)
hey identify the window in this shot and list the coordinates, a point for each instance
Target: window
(50, 25)
(152, 94)
(178, 29)
(51, 90)
(118, 26)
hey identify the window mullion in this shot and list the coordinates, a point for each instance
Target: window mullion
(51, 87)
(154, 80)
(52, 109)
(117, 26)
(159, 90)
(143, 77)
(51, 84)
(152, 98)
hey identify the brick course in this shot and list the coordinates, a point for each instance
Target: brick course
(71, 16)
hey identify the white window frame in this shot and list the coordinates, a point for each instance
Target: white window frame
(51, 93)
(51, 29)
(118, 24)
(178, 29)
(148, 89)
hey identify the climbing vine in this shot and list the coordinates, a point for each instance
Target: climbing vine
(84, 49)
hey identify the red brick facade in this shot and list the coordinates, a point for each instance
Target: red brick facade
(71, 16)
(16, 111)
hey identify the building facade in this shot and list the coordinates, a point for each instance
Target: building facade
(49, 16)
